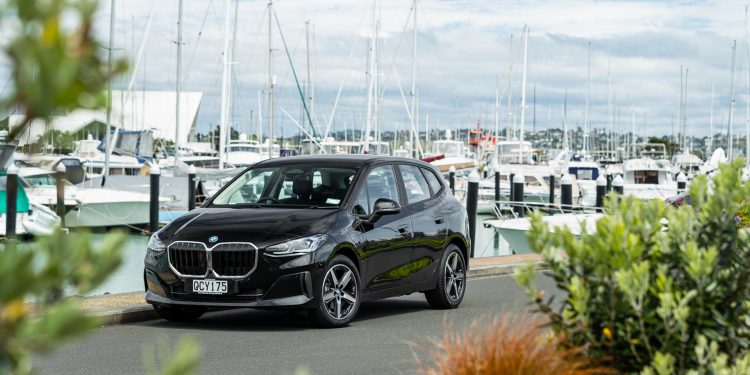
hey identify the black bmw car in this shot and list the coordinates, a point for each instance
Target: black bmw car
(321, 233)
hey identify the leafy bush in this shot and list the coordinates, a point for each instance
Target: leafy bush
(505, 346)
(641, 296)
(39, 273)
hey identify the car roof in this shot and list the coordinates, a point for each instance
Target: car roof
(353, 160)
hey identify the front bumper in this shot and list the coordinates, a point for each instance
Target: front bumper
(274, 283)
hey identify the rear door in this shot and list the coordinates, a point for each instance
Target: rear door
(387, 250)
(425, 210)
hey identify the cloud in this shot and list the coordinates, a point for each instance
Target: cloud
(463, 54)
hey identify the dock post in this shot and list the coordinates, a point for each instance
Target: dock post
(609, 182)
(510, 183)
(552, 188)
(518, 182)
(497, 189)
(472, 196)
(618, 185)
(452, 179)
(681, 182)
(11, 199)
(566, 192)
(191, 188)
(601, 191)
(60, 187)
(153, 217)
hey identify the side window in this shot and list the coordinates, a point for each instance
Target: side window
(432, 180)
(416, 186)
(361, 205)
(381, 183)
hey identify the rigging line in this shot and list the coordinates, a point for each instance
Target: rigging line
(348, 64)
(197, 42)
(398, 47)
(294, 72)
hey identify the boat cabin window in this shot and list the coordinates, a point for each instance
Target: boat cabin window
(646, 177)
(40, 180)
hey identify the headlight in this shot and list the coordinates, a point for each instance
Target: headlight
(155, 244)
(296, 247)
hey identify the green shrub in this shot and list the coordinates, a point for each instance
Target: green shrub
(643, 297)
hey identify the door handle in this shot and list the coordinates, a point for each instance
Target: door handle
(403, 228)
(438, 220)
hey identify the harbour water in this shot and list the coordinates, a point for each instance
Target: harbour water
(129, 277)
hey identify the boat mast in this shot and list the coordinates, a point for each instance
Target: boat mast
(413, 84)
(685, 139)
(565, 145)
(508, 133)
(747, 100)
(609, 102)
(586, 140)
(178, 83)
(370, 82)
(225, 84)
(523, 88)
(497, 109)
(105, 171)
(730, 135)
(710, 145)
(310, 89)
(270, 79)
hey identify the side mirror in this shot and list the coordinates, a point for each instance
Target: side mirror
(385, 206)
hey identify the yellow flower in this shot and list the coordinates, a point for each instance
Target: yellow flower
(13, 310)
(607, 332)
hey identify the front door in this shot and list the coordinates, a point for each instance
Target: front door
(427, 219)
(387, 250)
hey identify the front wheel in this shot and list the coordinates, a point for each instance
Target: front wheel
(180, 313)
(452, 280)
(339, 294)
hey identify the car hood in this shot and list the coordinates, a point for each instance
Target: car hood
(261, 226)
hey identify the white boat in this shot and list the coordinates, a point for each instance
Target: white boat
(331, 146)
(515, 231)
(88, 207)
(688, 164)
(38, 221)
(244, 152)
(448, 152)
(646, 178)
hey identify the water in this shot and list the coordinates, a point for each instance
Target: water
(129, 277)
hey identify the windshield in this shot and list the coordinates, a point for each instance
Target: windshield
(40, 180)
(288, 186)
(448, 148)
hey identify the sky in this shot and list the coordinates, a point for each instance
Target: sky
(463, 56)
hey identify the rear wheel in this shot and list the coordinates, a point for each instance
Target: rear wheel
(180, 313)
(452, 280)
(339, 294)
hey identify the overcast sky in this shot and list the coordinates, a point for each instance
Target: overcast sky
(463, 54)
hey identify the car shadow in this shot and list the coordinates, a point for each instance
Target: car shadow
(252, 320)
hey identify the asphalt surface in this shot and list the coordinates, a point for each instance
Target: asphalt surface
(383, 339)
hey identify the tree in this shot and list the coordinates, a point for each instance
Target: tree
(656, 288)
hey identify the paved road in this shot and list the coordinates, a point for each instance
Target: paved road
(265, 342)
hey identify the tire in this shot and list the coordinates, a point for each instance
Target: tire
(340, 294)
(180, 313)
(451, 286)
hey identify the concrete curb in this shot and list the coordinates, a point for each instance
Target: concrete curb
(144, 312)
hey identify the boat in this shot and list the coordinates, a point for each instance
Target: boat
(448, 152)
(515, 231)
(647, 178)
(243, 152)
(686, 163)
(89, 207)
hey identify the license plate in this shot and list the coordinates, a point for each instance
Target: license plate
(210, 287)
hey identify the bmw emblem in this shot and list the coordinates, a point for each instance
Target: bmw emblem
(213, 239)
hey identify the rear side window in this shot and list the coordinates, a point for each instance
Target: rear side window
(416, 186)
(432, 180)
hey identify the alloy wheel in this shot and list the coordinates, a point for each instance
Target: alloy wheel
(339, 292)
(454, 276)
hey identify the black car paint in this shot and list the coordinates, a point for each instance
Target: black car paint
(396, 255)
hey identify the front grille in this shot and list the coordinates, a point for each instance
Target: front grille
(188, 258)
(233, 259)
